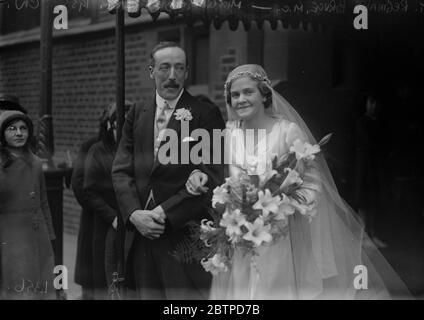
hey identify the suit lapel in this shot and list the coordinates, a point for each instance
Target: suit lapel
(147, 133)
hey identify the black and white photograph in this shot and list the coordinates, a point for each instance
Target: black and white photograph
(227, 151)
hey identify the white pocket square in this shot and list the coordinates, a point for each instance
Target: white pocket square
(189, 139)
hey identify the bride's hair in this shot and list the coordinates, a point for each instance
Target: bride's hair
(266, 93)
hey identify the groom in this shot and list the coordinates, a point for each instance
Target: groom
(151, 194)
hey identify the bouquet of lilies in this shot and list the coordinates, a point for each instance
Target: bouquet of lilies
(256, 205)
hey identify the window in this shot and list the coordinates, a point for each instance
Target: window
(197, 48)
(200, 67)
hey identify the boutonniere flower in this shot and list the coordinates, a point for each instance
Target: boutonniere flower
(183, 114)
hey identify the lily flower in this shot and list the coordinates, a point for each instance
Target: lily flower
(293, 177)
(285, 208)
(214, 265)
(266, 176)
(304, 150)
(266, 202)
(308, 210)
(232, 221)
(220, 195)
(234, 238)
(252, 163)
(206, 226)
(258, 232)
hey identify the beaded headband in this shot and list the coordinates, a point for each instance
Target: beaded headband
(255, 76)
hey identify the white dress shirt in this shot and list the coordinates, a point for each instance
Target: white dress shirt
(172, 104)
(168, 113)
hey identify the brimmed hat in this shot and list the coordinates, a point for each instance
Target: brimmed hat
(10, 102)
(8, 116)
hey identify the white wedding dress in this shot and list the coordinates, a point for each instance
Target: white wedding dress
(317, 259)
(271, 275)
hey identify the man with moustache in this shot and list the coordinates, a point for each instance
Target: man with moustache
(153, 202)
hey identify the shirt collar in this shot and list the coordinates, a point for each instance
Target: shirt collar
(172, 103)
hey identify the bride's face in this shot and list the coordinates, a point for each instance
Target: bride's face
(246, 99)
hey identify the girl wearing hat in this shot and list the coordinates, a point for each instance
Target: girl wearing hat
(26, 229)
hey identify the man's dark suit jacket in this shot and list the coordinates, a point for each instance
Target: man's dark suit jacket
(135, 172)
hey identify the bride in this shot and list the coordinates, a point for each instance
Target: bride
(318, 259)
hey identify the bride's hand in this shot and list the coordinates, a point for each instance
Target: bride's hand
(195, 184)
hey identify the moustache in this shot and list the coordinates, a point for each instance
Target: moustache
(171, 84)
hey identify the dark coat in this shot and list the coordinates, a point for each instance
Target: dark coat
(101, 198)
(135, 173)
(84, 259)
(26, 231)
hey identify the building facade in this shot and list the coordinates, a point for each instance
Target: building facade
(322, 72)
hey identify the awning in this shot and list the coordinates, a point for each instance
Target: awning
(289, 12)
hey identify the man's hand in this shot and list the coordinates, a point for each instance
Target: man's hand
(195, 184)
(148, 223)
(161, 213)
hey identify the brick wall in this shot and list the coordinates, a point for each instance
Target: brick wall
(19, 75)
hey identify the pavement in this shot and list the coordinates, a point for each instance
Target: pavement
(404, 234)
(69, 256)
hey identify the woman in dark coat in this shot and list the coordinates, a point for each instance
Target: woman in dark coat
(26, 229)
(84, 259)
(101, 198)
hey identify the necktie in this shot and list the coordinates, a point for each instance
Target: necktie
(160, 125)
(161, 119)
